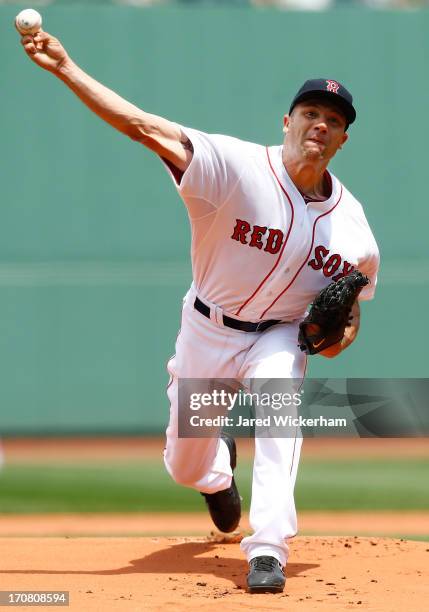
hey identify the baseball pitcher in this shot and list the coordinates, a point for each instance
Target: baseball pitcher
(273, 230)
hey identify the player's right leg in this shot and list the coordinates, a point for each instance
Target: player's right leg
(203, 351)
(200, 463)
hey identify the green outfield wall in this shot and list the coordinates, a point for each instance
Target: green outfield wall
(94, 241)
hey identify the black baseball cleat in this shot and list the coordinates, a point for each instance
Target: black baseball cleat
(265, 575)
(225, 506)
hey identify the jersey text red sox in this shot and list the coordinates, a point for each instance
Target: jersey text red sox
(271, 240)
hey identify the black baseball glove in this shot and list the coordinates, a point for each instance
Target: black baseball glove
(329, 313)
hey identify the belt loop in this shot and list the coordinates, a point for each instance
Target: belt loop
(218, 315)
(260, 326)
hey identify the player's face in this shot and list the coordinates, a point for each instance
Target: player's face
(315, 130)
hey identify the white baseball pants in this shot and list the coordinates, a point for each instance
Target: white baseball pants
(207, 349)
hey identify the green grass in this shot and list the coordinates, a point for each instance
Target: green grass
(146, 487)
(363, 485)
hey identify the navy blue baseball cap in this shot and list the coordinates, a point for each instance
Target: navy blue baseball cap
(329, 90)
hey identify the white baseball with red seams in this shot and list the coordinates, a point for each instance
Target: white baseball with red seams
(28, 21)
(259, 252)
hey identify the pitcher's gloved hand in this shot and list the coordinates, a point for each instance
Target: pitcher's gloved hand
(329, 313)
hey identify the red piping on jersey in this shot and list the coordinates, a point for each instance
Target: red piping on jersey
(283, 247)
(308, 254)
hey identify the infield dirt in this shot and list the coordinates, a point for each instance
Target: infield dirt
(135, 574)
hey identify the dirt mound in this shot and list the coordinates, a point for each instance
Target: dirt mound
(188, 573)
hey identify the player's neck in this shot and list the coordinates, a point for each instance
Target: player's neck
(308, 176)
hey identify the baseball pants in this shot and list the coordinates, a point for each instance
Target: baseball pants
(207, 349)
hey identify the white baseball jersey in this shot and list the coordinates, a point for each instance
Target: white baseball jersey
(258, 250)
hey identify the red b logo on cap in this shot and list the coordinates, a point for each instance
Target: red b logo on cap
(332, 86)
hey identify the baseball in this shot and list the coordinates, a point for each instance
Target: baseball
(28, 21)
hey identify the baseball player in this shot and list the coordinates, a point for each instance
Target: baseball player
(271, 227)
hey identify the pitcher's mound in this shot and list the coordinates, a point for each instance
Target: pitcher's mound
(323, 573)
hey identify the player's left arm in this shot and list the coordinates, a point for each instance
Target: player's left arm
(350, 334)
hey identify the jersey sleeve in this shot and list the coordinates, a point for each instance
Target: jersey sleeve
(215, 169)
(369, 267)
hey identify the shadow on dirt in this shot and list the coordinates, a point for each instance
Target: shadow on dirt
(186, 557)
